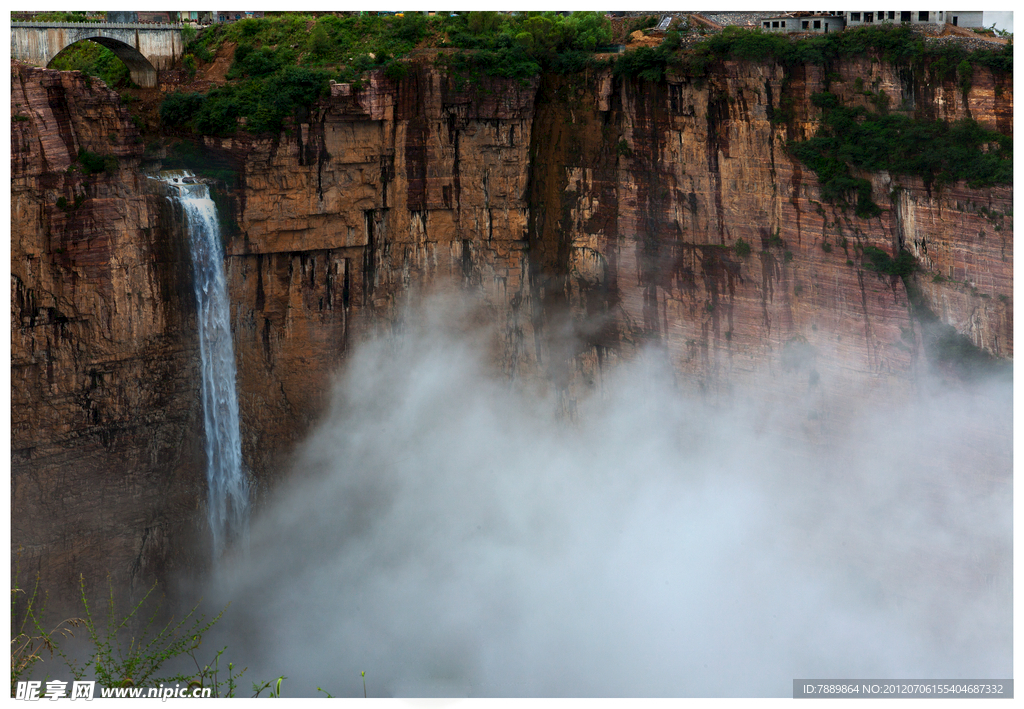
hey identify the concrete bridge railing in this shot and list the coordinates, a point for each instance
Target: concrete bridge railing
(143, 47)
(101, 25)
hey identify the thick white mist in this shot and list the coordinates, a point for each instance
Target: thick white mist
(445, 531)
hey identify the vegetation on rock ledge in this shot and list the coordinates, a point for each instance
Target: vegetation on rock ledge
(93, 60)
(284, 62)
(936, 151)
(897, 44)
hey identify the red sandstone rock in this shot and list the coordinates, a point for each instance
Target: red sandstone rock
(641, 193)
(105, 425)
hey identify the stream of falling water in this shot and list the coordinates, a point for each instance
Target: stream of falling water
(228, 490)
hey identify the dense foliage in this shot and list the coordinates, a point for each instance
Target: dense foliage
(893, 43)
(263, 100)
(62, 16)
(178, 108)
(543, 34)
(342, 44)
(521, 45)
(273, 52)
(936, 151)
(877, 260)
(517, 44)
(93, 163)
(509, 63)
(647, 63)
(95, 60)
(283, 63)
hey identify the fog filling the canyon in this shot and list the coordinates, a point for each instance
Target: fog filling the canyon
(448, 533)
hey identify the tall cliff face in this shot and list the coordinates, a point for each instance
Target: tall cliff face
(645, 189)
(395, 188)
(105, 426)
(593, 216)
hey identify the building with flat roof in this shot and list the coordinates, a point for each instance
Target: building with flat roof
(233, 15)
(965, 18)
(820, 23)
(960, 18)
(860, 18)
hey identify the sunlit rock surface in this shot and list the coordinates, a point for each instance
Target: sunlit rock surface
(592, 216)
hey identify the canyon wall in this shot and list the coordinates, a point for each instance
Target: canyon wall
(106, 427)
(590, 216)
(646, 187)
(398, 188)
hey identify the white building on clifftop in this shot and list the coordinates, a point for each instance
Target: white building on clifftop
(821, 23)
(960, 18)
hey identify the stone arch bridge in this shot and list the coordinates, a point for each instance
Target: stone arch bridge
(144, 48)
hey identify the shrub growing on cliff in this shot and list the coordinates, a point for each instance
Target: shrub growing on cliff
(903, 265)
(264, 102)
(93, 60)
(220, 111)
(259, 62)
(395, 70)
(964, 72)
(644, 63)
(895, 43)
(319, 42)
(520, 46)
(290, 89)
(61, 16)
(587, 31)
(94, 163)
(752, 45)
(177, 109)
(574, 62)
(508, 63)
(936, 151)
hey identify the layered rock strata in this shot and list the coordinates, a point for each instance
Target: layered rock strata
(386, 190)
(105, 426)
(593, 216)
(650, 193)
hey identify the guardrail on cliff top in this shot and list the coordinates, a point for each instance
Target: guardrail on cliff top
(101, 25)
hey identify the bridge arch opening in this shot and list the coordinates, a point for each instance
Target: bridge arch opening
(104, 59)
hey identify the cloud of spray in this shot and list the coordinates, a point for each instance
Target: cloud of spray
(447, 532)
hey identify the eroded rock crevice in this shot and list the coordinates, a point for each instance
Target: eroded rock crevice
(593, 216)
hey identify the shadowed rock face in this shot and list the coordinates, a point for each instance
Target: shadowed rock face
(647, 190)
(591, 216)
(106, 430)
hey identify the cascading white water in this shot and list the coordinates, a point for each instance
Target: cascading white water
(228, 493)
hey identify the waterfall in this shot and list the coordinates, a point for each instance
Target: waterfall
(228, 490)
